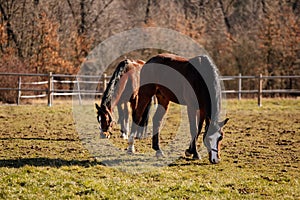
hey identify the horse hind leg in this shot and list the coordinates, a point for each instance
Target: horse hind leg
(137, 113)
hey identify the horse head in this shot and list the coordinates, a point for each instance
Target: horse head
(212, 140)
(105, 120)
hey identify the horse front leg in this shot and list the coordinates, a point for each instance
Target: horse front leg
(126, 121)
(122, 120)
(196, 121)
(131, 149)
(137, 113)
(157, 120)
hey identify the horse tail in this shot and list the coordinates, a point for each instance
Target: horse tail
(145, 116)
(142, 130)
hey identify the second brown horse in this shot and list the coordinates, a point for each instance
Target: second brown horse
(124, 82)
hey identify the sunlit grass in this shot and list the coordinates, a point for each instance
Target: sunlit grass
(41, 157)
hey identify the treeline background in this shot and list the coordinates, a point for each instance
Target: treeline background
(242, 36)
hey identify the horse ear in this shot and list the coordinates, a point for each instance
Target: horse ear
(109, 114)
(141, 62)
(221, 124)
(97, 106)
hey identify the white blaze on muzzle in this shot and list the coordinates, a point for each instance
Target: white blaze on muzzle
(214, 157)
(211, 142)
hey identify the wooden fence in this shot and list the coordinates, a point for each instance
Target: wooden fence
(49, 83)
(78, 80)
(259, 86)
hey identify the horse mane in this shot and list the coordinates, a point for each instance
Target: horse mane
(214, 88)
(110, 89)
(172, 57)
(210, 75)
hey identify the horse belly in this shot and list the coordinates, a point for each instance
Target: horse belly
(167, 94)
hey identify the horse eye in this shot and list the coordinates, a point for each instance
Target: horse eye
(220, 138)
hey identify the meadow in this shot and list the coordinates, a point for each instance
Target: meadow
(42, 157)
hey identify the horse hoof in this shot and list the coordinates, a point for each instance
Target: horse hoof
(196, 158)
(139, 137)
(124, 136)
(159, 154)
(104, 136)
(130, 150)
(187, 153)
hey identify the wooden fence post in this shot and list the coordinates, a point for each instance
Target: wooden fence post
(78, 88)
(240, 86)
(259, 95)
(19, 90)
(104, 81)
(50, 89)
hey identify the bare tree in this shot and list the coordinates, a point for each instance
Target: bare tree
(8, 9)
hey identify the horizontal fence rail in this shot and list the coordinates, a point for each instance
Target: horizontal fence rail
(50, 90)
(82, 87)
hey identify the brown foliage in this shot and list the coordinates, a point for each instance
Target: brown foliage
(280, 45)
(248, 37)
(46, 54)
(10, 63)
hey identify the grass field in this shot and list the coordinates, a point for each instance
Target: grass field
(42, 157)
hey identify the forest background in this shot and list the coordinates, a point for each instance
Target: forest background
(250, 37)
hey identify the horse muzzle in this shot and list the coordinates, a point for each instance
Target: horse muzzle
(104, 134)
(213, 157)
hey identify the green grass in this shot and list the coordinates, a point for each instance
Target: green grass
(41, 157)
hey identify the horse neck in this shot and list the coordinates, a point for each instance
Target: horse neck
(210, 75)
(215, 107)
(214, 91)
(112, 85)
(124, 87)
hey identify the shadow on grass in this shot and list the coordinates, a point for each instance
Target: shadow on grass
(58, 162)
(44, 162)
(43, 139)
(184, 161)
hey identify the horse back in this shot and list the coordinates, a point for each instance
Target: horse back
(182, 78)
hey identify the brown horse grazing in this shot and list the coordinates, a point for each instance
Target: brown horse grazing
(123, 83)
(194, 83)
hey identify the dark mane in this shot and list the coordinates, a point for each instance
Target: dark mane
(210, 75)
(110, 89)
